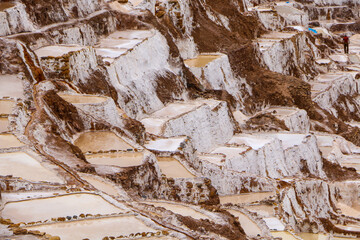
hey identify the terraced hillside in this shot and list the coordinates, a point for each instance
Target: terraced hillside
(179, 119)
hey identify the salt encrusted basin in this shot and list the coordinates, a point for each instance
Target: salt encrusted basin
(11, 86)
(58, 206)
(119, 42)
(274, 224)
(100, 184)
(253, 141)
(96, 141)
(180, 208)
(95, 228)
(166, 144)
(173, 168)
(24, 165)
(340, 58)
(57, 50)
(82, 99)
(4, 124)
(245, 197)
(288, 140)
(250, 227)
(119, 159)
(284, 235)
(132, 34)
(9, 141)
(6, 106)
(201, 60)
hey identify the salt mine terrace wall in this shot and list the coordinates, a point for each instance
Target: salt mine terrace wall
(226, 181)
(296, 120)
(280, 52)
(14, 19)
(273, 155)
(203, 121)
(332, 86)
(213, 70)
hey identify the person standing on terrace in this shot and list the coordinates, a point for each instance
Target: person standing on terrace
(346, 44)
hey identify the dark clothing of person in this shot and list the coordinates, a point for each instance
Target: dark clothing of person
(346, 44)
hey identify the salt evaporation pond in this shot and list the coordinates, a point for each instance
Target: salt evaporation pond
(165, 144)
(82, 99)
(4, 124)
(101, 141)
(281, 112)
(249, 226)
(132, 34)
(11, 86)
(94, 229)
(6, 106)
(201, 60)
(352, 211)
(21, 164)
(180, 209)
(59, 206)
(173, 168)
(284, 235)
(9, 141)
(320, 236)
(120, 159)
(263, 210)
(245, 197)
(253, 141)
(101, 185)
(57, 50)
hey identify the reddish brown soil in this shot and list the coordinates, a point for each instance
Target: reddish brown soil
(337, 173)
